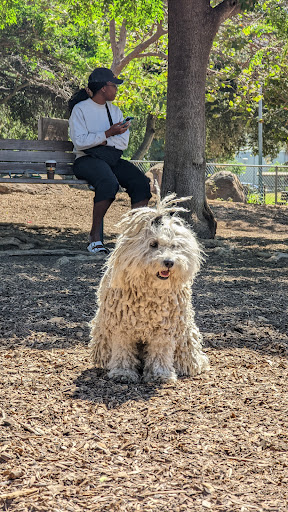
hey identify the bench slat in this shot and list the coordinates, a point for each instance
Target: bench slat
(40, 168)
(35, 181)
(40, 145)
(35, 156)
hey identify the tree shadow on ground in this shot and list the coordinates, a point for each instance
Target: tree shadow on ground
(240, 300)
(47, 237)
(251, 215)
(244, 242)
(47, 303)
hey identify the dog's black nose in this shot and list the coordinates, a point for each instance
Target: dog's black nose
(168, 263)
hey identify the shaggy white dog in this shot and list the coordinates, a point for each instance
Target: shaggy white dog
(145, 321)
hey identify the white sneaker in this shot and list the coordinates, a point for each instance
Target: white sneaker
(96, 247)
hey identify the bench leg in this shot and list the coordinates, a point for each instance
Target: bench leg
(102, 232)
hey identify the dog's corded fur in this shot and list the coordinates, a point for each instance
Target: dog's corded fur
(145, 319)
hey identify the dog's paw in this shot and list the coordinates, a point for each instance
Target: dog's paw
(123, 375)
(159, 375)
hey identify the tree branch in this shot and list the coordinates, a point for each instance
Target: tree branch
(13, 93)
(122, 39)
(112, 32)
(226, 9)
(161, 55)
(118, 47)
(148, 138)
(160, 31)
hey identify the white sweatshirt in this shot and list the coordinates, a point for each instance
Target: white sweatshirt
(88, 123)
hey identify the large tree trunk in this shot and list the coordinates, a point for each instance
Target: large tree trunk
(148, 138)
(192, 28)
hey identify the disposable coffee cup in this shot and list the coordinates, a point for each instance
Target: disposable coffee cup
(50, 167)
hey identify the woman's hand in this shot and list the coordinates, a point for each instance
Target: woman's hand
(117, 129)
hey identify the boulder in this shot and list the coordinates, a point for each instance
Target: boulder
(155, 173)
(225, 185)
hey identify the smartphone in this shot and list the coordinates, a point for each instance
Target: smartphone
(129, 118)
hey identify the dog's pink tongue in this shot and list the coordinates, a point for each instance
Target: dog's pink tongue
(164, 273)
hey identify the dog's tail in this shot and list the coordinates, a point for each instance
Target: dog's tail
(168, 204)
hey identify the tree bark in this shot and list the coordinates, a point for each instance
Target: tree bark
(148, 138)
(192, 27)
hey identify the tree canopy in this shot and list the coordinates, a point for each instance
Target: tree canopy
(48, 50)
(246, 55)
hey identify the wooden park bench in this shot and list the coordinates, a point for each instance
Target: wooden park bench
(23, 161)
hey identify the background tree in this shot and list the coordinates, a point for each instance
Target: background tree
(120, 61)
(36, 70)
(53, 50)
(184, 168)
(47, 51)
(243, 55)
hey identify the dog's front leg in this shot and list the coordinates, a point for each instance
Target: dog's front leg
(123, 363)
(159, 356)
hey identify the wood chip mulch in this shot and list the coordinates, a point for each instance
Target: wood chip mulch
(71, 440)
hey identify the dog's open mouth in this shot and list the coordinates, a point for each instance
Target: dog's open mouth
(163, 274)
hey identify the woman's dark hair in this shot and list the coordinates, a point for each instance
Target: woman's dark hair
(82, 94)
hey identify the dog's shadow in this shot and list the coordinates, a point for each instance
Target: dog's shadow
(94, 385)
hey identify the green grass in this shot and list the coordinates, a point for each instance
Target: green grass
(269, 198)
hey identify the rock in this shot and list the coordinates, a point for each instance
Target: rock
(59, 321)
(225, 185)
(263, 319)
(221, 251)
(206, 504)
(263, 254)
(279, 256)
(11, 242)
(89, 257)
(208, 488)
(211, 244)
(15, 473)
(63, 261)
(155, 173)
(5, 457)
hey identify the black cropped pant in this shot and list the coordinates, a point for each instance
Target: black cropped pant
(104, 169)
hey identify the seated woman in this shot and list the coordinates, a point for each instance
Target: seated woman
(100, 137)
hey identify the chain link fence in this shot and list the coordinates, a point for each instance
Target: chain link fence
(144, 165)
(265, 184)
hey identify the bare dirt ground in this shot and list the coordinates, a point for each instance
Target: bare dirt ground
(70, 440)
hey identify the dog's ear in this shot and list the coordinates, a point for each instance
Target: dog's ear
(157, 221)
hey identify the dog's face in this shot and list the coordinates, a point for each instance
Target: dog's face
(172, 250)
(163, 253)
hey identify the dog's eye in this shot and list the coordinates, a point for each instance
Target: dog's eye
(154, 244)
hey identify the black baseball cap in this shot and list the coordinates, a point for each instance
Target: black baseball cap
(104, 75)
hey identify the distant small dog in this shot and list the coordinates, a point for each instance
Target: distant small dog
(145, 321)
